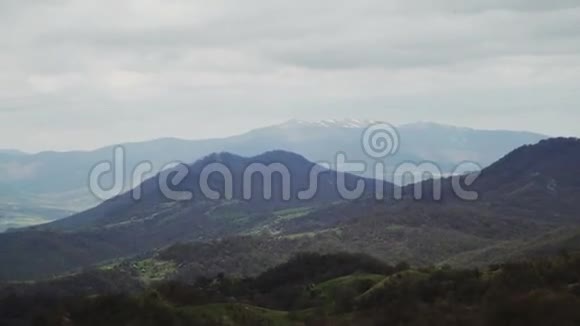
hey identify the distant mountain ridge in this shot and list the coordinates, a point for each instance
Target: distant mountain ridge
(59, 180)
(12, 152)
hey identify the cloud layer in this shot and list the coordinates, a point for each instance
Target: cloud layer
(80, 74)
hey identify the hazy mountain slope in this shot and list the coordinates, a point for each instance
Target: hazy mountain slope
(123, 226)
(59, 180)
(449, 145)
(125, 208)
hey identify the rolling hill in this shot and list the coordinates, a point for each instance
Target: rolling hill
(310, 289)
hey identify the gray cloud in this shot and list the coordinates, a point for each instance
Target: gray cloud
(86, 73)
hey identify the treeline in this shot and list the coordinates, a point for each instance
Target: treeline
(316, 289)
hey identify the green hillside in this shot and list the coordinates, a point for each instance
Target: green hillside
(312, 289)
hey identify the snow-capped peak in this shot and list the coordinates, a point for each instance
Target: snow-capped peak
(332, 123)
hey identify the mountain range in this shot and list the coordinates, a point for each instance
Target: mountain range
(41, 187)
(527, 204)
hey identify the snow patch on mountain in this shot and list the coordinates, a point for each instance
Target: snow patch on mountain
(331, 123)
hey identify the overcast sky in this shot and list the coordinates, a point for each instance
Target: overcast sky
(81, 74)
